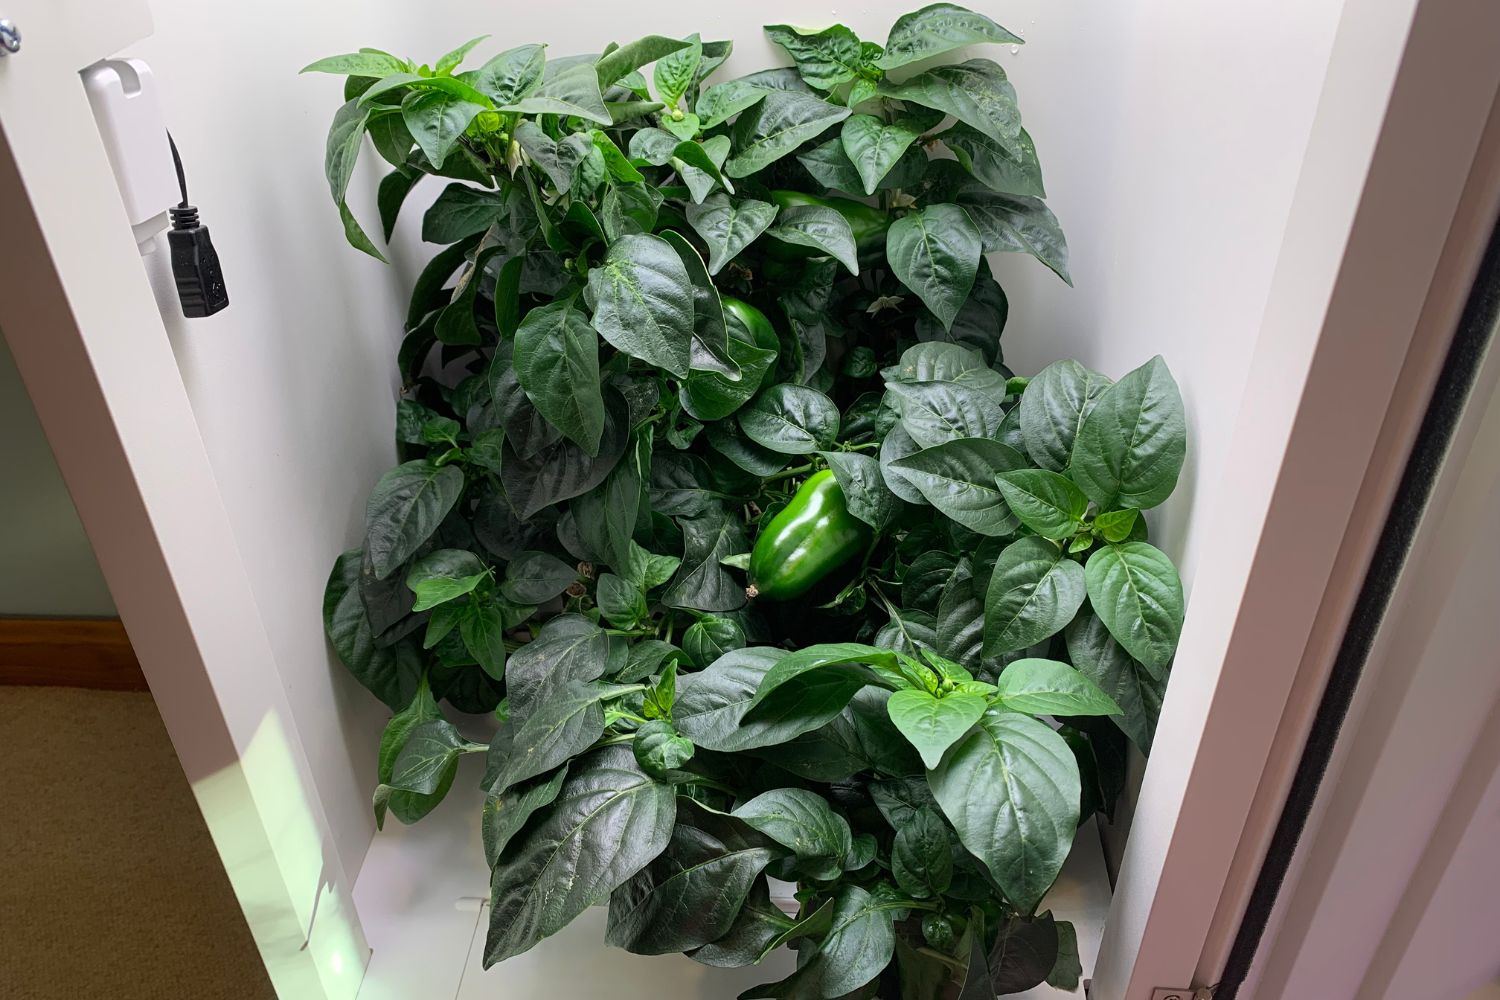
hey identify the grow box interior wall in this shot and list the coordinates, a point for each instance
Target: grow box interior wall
(1157, 162)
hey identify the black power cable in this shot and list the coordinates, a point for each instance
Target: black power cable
(195, 263)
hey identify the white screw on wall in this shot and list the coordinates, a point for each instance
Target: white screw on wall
(10, 38)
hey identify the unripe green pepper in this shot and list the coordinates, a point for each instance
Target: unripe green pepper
(746, 321)
(812, 536)
(868, 222)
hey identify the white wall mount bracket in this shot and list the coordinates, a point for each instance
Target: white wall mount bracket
(123, 94)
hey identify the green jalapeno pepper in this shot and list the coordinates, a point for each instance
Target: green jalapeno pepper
(813, 536)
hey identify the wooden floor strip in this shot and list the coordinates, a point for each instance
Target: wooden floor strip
(68, 652)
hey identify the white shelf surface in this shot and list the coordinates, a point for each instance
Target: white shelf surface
(422, 897)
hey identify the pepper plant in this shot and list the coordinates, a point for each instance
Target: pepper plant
(717, 498)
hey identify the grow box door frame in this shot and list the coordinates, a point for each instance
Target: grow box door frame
(1345, 361)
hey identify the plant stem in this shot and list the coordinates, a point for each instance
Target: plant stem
(789, 473)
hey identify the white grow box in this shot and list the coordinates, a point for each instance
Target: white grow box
(1262, 193)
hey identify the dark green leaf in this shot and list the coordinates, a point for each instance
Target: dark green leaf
(975, 92)
(824, 58)
(821, 228)
(436, 120)
(935, 413)
(710, 347)
(536, 577)
(621, 602)
(609, 821)
(408, 806)
(710, 637)
(1067, 970)
(1136, 592)
(935, 253)
(1011, 791)
(1130, 448)
(506, 811)
(858, 946)
(1014, 224)
(846, 658)
(791, 419)
(1098, 656)
(562, 725)
(1046, 502)
(802, 822)
(391, 672)
(1024, 953)
(995, 164)
(1034, 592)
(567, 648)
(1053, 407)
(444, 575)
(711, 704)
(574, 90)
(958, 478)
(509, 76)
(728, 225)
(865, 491)
(702, 583)
(921, 856)
(430, 755)
(722, 101)
(560, 470)
(831, 166)
(777, 125)
(557, 362)
(688, 897)
(394, 187)
(939, 28)
(482, 629)
(558, 160)
(873, 146)
(405, 508)
(643, 302)
(660, 750)
(633, 55)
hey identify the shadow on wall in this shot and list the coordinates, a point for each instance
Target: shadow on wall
(47, 567)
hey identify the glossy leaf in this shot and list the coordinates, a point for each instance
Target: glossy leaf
(1053, 407)
(405, 508)
(608, 822)
(921, 855)
(777, 125)
(939, 28)
(1130, 448)
(1034, 592)
(1046, 687)
(728, 225)
(935, 253)
(820, 228)
(958, 478)
(643, 302)
(931, 724)
(557, 362)
(1136, 592)
(1046, 502)
(791, 419)
(975, 92)
(1011, 791)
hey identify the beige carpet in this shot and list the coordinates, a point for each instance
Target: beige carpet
(110, 887)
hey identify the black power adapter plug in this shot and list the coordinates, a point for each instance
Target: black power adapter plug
(195, 263)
